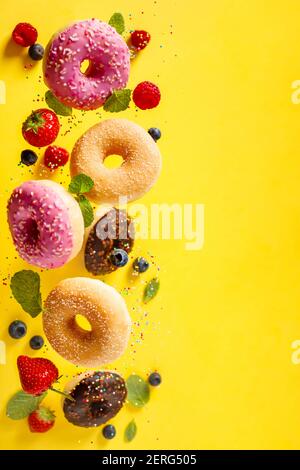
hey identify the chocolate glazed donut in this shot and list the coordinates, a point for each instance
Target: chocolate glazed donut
(98, 396)
(119, 230)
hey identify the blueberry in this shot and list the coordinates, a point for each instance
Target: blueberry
(36, 52)
(119, 258)
(140, 265)
(109, 431)
(155, 133)
(36, 342)
(28, 157)
(154, 379)
(17, 329)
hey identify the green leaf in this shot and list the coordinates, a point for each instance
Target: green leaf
(151, 290)
(22, 404)
(58, 107)
(25, 287)
(86, 210)
(118, 101)
(138, 392)
(130, 431)
(81, 184)
(117, 22)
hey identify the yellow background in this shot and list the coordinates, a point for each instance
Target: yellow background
(221, 328)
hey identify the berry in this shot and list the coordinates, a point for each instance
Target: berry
(155, 133)
(17, 329)
(140, 39)
(109, 431)
(36, 52)
(140, 265)
(36, 342)
(119, 258)
(41, 420)
(55, 157)
(36, 374)
(24, 34)
(146, 95)
(28, 157)
(41, 128)
(154, 379)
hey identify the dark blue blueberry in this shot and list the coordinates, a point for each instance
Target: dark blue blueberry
(36, 52)
(155, 133)
(28, 157)
(154, 379)
(109, 431)
(17, 329)
(36, 342)
(140, 265)
(119, 258)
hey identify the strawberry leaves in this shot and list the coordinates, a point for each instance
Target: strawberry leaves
(117, 22)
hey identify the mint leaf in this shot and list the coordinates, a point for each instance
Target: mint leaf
(58, 107)
(22, 404)
(130, 431)
(118, 101)
(138, 392)
(25, 287)
(86, 210)
(117, 22)
(81, 184)
(151, 290)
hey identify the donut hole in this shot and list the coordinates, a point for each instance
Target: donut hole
(113, 161)
(90, 69)
(32, 231)
(83, 323)
(85, 66)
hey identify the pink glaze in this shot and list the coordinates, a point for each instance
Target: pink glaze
(40, 225)
(109, 58)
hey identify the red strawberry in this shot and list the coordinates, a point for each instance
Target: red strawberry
(140, 39)
(146, 95)
(36, 374)
(41, 128)
(41, 420)
(24, 34)
(55, 157)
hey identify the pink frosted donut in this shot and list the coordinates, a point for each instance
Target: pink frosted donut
(46, 223)
(109, 62)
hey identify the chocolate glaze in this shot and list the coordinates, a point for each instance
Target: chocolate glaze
(97, 255)
(98, 398)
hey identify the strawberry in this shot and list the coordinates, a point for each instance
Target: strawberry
(55, 157)
(41, 420)
(140, 39)
(36, 374)
(41, 128)
(24, 34)
(146, 95)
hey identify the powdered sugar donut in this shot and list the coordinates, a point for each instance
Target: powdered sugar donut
(46, 223)
(139, 170)
(106, 312)
(109, 63)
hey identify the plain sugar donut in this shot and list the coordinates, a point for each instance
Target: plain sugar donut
(109, 63)
(104, 308)
(46, 223)
(139, 170)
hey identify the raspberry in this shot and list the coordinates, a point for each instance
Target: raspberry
(24, 34)
(146, 95)
(140, 39)
(55, 157)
